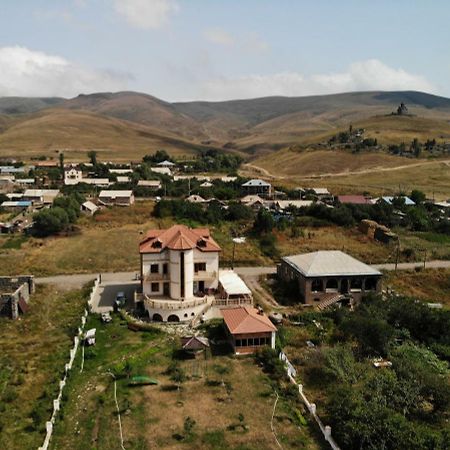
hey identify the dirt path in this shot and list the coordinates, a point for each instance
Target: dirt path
(266, 173)
(255, 286)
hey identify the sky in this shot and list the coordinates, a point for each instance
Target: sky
(181, 50)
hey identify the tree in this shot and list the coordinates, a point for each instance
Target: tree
(50, 221)
(92, 155)
(416, 147)
(61, 164)
(264, 222)
(417, 196)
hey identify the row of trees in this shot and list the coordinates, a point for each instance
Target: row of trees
(213, 213)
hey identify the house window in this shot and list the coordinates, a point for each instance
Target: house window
(238, 343)
(165, 268)
(155, 287)
(250, 342)
(317, 286)
(154, 268)
(199, 267)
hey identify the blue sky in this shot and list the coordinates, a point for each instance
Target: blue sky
(223, 49)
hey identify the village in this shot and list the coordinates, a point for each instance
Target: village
(205, 315)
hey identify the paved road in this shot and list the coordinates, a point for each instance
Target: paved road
(77, 280)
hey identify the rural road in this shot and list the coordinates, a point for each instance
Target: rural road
(77, 280)
(266, 173)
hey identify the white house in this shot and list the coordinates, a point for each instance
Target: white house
(166, 163)
(150, 184)
(179, 270)
(161, 170)
(117, 198)
(41, 195)
(194, 198)
(72, 176)
(89, 208)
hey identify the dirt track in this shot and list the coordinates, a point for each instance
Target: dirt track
(267, 174)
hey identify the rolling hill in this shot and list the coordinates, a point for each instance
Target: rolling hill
(135, 124)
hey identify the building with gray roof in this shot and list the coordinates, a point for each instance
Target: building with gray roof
(325, 275)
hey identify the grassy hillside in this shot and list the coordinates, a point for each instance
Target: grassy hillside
(345, 172)
(139, 108)
(76, 132)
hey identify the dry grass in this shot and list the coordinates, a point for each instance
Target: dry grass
(343, 172)
(349, 240)
(34, 351)
(431, 285)
(154, 415)
(77, 132)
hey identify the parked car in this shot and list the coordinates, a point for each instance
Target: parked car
(121, 299)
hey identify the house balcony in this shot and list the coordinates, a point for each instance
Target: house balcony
(156, 276)
(205, 275)
(174, 305)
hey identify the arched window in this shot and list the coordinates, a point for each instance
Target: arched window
(317, 286)
(356, 284)
(332, 285)
(157, 318)
(173, 318)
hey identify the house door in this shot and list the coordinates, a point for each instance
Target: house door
(344, 286)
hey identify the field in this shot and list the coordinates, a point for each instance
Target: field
(214, 408)
(431, 285)
(343, 172)
(34, 351)
(108, 242)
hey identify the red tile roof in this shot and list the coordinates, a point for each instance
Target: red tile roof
(247, 320)
(178, 237)
(354, 199)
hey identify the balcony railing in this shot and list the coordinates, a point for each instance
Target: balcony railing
(156, 276)
(204, 275)
(174, 304)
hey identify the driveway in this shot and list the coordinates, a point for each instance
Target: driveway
(107, 291)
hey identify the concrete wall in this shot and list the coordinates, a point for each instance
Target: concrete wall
(12, 289)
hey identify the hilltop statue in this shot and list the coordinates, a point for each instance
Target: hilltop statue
(402, 109)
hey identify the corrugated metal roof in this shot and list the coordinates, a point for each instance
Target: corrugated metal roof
(329, 263)
(233, 283)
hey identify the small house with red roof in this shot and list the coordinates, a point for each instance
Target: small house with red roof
(248, 329)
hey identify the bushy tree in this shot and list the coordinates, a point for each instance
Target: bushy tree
(50, 221)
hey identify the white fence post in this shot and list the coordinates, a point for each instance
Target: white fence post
(67, 368)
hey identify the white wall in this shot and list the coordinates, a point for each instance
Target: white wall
(172, 257)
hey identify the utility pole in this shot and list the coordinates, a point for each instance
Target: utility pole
(397, 254)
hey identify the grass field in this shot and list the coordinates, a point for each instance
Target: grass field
(228, 401)
(431, 285)
(34, 350)
(344, 172)
(108, 242)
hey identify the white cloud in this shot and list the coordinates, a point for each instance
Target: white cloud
(249, 42)
(360, 76)
(219, 36)
(146, 14)
(26, 72)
